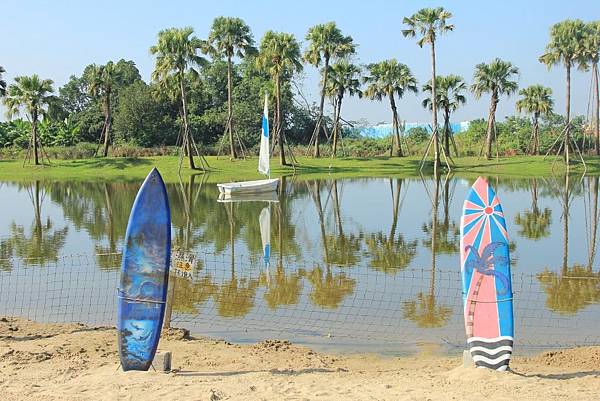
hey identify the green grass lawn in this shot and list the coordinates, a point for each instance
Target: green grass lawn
(222, 169)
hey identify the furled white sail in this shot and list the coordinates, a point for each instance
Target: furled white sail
(264, 221)
(263, 156)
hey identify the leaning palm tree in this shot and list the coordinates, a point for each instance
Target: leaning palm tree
(2, 82)
(450, 95)
(536, 100)
(177, 52)
(390, 78)
(429, 23)
(566, 47)
(495, 78)
(344, 79)
(326, 43)
(279, 55)
(33, 95)
(101, 80)
(229, 37)
(591, 50)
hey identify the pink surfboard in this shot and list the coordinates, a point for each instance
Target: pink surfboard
(486, 278)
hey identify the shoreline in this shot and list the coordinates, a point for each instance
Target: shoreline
(222, 169)
(74, 362)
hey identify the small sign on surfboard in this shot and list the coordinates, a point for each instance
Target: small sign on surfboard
(486, 278)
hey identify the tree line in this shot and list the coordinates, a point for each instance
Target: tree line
(206, 94)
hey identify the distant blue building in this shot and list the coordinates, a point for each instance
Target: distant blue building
(384, 130)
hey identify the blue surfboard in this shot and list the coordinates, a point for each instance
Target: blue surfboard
(144, 275)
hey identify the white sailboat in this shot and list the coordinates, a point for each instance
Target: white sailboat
(256, 186)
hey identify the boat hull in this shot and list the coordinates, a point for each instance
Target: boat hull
(249, 187)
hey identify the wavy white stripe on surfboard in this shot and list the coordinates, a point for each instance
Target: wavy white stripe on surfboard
(491, 351)
(489, 340)
(494, 361)
(499, 369)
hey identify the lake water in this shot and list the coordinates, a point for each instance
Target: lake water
(368, 264)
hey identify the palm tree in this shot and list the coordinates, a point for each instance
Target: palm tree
(429, 23)
(326, 42)
(344, 78)
(2, 82)
(229, 37)
(390, 78)
(450, 95)
(592, 55)
(279, 56)
(536, 100)
(32, 94)
(101, 80)
(565, 46)
(495, 78)
(177, 52)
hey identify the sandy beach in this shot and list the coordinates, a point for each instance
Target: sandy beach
(74, 362)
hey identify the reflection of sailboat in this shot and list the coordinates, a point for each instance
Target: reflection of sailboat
(249, 197)
(257, 186)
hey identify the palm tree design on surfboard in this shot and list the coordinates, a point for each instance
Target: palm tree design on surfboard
(486, 278)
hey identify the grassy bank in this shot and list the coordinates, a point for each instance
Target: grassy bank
(222, 169)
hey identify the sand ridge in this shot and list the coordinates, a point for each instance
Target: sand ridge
(74, 362)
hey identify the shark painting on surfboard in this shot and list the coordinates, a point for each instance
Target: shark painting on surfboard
(486, 278)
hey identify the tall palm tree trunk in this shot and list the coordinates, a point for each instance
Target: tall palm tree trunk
(491, 124)
(336, 125)
(317, 130)
(108, 124)
(436, 145)
(278, 122)
(536, 134)
(395, 127)
(34, 121)
(186, 129)
(447, 130)
(230, 108)
(568, 116)
(597, 107)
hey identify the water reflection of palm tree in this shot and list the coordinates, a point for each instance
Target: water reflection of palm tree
(315, 192)
(388, 253)
(329, 289)
(191, 294)
(44, 242)
(235, 298)
(282, 289)
(425, 310)
(574, 287)
(342, 248)
(534, 223)
(593, 189)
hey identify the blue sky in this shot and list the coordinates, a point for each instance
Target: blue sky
(58, 38)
